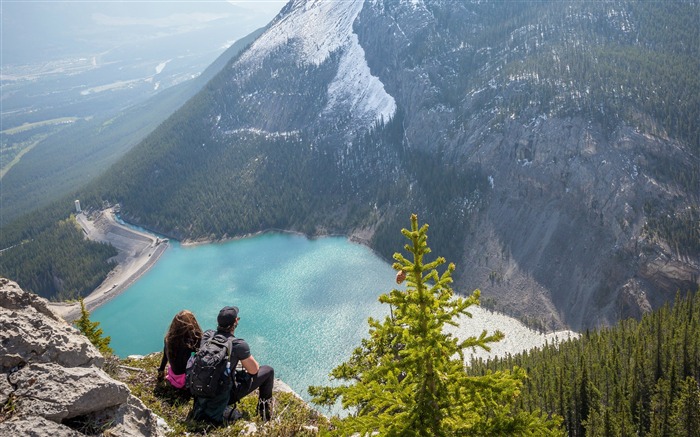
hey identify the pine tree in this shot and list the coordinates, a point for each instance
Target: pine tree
(408, 378)
(685, 419)
(92, 332)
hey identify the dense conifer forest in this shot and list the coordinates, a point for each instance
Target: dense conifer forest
(636, 378)
(48, 254)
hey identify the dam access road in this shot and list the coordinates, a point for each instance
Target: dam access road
(137, 252)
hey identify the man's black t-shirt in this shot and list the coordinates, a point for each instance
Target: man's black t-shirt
(239, 351)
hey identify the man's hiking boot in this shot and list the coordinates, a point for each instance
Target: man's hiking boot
(265, 409)
(231, 414)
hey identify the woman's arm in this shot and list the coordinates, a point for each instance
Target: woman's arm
(163, 362)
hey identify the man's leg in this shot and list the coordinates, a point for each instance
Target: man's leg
(264, 380)
(265, 394)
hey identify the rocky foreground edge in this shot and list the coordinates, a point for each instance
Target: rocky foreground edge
(51, 376)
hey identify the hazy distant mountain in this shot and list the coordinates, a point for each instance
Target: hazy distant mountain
(84, 59)
(76, 78)
(67, 159)
(553, 146)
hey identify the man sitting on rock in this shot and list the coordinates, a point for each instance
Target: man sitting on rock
(221, 408)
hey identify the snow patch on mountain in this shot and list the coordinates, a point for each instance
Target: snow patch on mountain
(414, 3)
(356, 88)
(318, 28)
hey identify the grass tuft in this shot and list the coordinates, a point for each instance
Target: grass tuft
(8, 409)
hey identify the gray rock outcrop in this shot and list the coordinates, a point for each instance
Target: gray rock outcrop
(51, 377)
(31, 332)
(36, 426)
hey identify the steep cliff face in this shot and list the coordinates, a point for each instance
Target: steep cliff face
(537, 138)
(565, 225)
(51, 377)
(564, 232)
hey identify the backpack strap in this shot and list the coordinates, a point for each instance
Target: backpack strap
(235, 361)
(230, 369)
(228, 343)
(206, 337)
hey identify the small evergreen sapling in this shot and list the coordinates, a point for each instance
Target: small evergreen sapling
(92, 332)
(408, 378)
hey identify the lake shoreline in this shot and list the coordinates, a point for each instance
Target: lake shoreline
(270, 278)
(137, 251)
(140, 250)
(358, 237)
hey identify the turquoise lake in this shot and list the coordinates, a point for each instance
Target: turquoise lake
(303, 303)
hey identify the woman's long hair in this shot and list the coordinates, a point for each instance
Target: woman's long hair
(184, 333)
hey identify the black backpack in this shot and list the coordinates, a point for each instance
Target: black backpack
(210, 372)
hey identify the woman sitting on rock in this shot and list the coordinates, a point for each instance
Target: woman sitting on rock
(181, 341)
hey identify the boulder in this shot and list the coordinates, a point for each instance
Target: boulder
(36, 426)
(14, 298)
(131, 418)
(59, 393)
(31, 332)
(52, 377)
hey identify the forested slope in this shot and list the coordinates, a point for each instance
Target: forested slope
(636, 378)
(53, 259)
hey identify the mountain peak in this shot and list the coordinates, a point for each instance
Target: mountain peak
(313, 31)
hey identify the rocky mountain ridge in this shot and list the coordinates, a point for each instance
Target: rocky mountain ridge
(536, 138)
